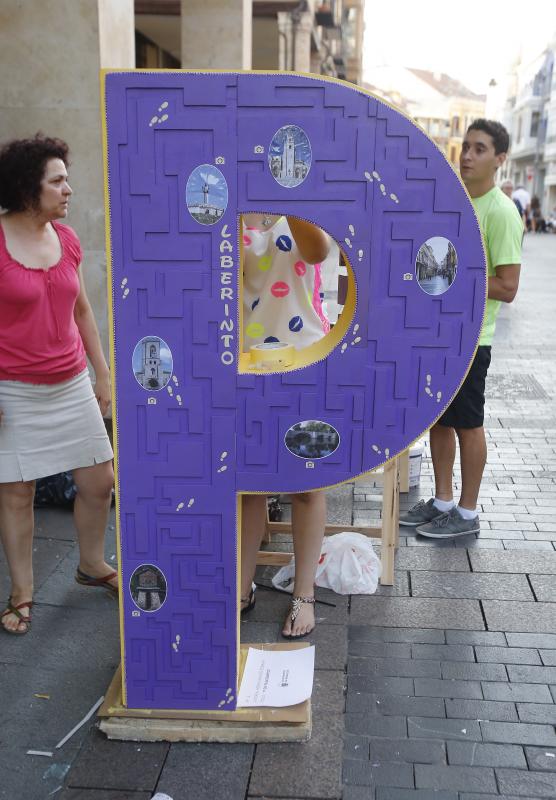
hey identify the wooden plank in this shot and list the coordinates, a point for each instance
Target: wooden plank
(173, 730)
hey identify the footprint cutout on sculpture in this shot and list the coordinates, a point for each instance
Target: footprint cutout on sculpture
(223, 455)
(180, 506)
(175, 380)
(351, 230)
(178, 398)
(355, 328)
(376, 448)
(344, 347)
(376, 175)
(163, 106)
(369, 176)
(223, 468)
(191, 501)
(125, 294)
(360, 254)
(348, 242)
(170, 390)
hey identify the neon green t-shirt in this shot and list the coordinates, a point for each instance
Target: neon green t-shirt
(502, 230)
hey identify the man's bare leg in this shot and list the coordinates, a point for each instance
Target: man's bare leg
(473, 456)
(443, 454)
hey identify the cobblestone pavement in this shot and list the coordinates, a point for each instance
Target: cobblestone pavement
(442, 687)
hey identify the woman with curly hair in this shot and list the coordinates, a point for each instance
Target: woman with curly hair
(50, 416)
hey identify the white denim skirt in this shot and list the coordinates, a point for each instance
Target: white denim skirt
(46, 429)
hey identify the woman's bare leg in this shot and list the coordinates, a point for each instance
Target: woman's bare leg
(92, 506)
(253, 522)
(308, 524)
(16, 531)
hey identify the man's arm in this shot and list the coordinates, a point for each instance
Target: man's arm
(503, 285)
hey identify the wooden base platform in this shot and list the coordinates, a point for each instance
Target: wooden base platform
(253, 725)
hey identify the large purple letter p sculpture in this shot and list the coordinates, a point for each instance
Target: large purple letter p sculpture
(187, 153)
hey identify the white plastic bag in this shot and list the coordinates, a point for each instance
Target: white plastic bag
(347, 565)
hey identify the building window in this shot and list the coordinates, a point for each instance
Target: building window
(455, 126)
(535, 119)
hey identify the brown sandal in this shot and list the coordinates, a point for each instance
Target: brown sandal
(16, 611)
(295, 608)
(87, 580)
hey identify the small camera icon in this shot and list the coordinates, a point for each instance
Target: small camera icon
(219, 160)
(408, 276)
(309, 465)
(151, 401)
(258, 148)
(135, 613)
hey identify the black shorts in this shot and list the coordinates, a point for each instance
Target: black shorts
(467, 409)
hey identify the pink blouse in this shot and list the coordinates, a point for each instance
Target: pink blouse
(39, 339)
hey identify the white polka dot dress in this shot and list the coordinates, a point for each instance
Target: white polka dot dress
(281, 292)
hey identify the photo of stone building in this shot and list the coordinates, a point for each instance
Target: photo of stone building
(148, 587)
(290, 156)
(152, 363)
(436, 265)
(312, 439)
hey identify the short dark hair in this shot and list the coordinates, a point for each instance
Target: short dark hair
(22, 166)
(498, 133)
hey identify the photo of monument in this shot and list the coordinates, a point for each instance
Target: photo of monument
(312, 439)
(152, 363)
(289, 156)
(148, 588)
(436, 265)
(206, 194)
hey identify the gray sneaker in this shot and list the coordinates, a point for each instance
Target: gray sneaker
(420, 514)
(449, 525)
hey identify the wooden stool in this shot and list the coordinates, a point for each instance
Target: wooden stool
(388, 532)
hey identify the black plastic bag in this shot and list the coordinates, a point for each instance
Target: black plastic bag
(55, 490)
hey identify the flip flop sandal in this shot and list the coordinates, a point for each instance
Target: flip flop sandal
(16, 611)
(295, 608)
(87, 580)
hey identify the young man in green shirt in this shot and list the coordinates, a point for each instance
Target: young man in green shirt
(485, 148)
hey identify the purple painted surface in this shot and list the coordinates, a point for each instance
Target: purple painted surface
(177, 503)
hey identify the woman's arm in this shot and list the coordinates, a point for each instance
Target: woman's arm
(87, 326)
(312, 242)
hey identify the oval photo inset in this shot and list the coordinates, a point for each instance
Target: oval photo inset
(206, 194)
(152, 363)
(290, 156)
(312, 439)
(436, 265)
(148, 587)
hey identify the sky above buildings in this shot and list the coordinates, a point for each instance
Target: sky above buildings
(472, 42)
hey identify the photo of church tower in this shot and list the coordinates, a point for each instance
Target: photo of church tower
(152, 363)
(290, 156)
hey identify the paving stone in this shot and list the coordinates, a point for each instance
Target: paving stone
(432, 687)
(528, 544)
(433, 558)
(473, 672)
(548, 657)
(361, 773)
(375, 725)
(477, 754)
(537, 640)
(544, 587)
(541, 759)
(541, 713)
(442, 652)
(437, 776)
(481, 709)
(417, 612)
(47, 555)
(516, 562)
(413, 751)
(386, 793)
(330, 646)
(526, 784)
(395, 667)
(400, 587)
(464, 729)
(365, 633)
(105, 764)
(100, 794)
(508, 655)
(312, 769)
(380, 649)
(518, 733)
(392, 705)
(196, 765)
(514, 616)
(356, 746)
(362, 683)
(525, 674)
(487, 638)
(525, 692)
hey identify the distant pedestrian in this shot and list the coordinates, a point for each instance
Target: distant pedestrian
(524, 199)
(50, 416)
(538, 222)
(484, 150)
